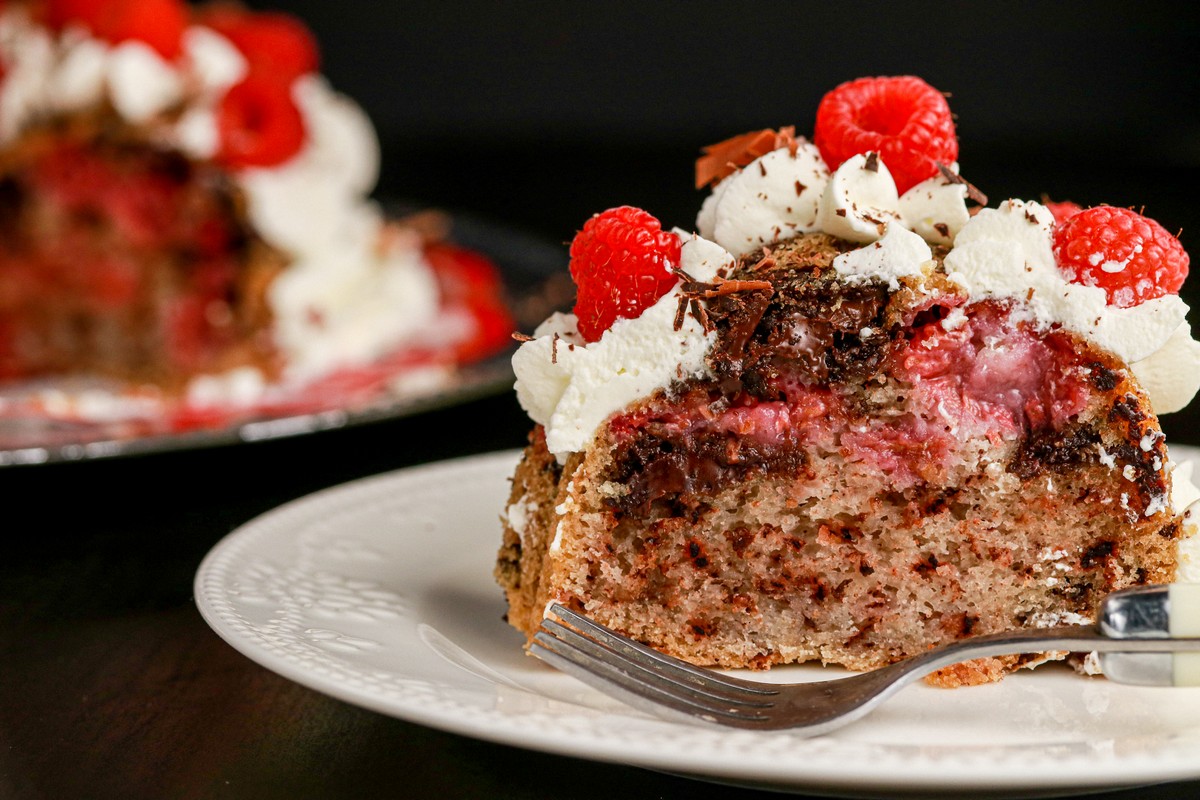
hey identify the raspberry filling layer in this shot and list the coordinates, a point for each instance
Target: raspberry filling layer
(952, 386)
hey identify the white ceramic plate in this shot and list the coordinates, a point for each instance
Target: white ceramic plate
(380, 593)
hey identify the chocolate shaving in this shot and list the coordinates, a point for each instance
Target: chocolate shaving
(766, 262)
(719, 287)
(727, 157)
(692, 292)
(942, 228)
(680, 312)
(977, 196)
(701, 315)
(522, 337)
(787, 135)
(800, 187)
(725, 287)
(683, 276)
(973, 193)
(872, 162)
(554, 349)
(949, 174)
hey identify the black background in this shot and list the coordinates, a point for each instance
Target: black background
(538, 115)
(535, 116)
(543, 113)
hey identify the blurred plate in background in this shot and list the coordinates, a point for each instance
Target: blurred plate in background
(126, 421)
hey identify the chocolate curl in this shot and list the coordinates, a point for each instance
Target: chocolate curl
(953, 177)
(693, 288)
(727, 157)
(700, 314)
(680, 312)
(692, 292)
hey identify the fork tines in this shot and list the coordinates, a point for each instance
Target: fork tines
(644, 677)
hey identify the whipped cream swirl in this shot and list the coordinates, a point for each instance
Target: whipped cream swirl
(1003, 253)
(571, 386)
(782, 194)
(1006, 253)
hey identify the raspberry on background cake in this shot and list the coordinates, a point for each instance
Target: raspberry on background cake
(184, 207)
(858, 412)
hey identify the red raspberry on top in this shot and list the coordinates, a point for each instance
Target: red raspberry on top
(258, 123)
(1062, 210)
(157, 23)
(622, 263)
(904, 119)
(60, 13)
(271, 42)
(1130, 256)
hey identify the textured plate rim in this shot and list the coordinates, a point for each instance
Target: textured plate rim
(819, 764)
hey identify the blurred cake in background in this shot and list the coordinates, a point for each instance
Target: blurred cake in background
(184, 206)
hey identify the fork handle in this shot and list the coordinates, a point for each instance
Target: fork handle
(1152, 669)
(1168, 611)
(1160, 611)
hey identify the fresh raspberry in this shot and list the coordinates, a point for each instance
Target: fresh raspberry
(1061, 210)
(904, 119)
(271, 42)
(470, 281)
(463, 274)
(61, 13)
(622, 262)
(259, 124)
(157, 23)
(1131, 257)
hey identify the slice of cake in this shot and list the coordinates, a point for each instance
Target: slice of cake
(853, 416)
(184, 203)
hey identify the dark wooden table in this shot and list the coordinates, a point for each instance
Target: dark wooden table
(111, 685)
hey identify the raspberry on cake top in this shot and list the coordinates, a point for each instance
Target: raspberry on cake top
(240, 92)
(881, 172)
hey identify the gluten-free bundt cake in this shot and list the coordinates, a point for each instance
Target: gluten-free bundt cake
(184, 203)
(858, 413)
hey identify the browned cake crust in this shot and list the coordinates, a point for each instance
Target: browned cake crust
(870, 525)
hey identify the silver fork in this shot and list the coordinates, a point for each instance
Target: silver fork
(1134, 636)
